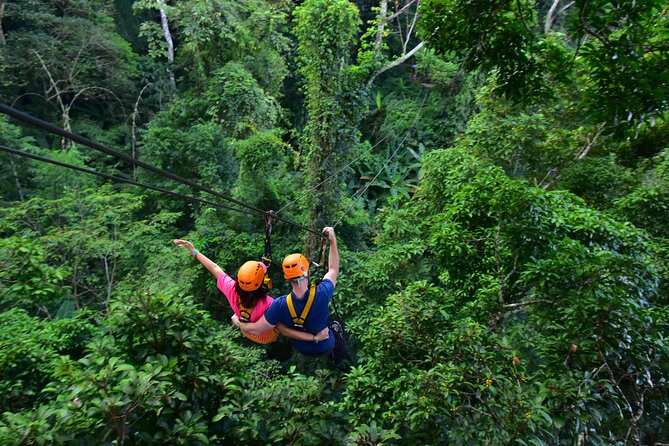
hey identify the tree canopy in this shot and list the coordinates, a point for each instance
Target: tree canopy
(497, 174)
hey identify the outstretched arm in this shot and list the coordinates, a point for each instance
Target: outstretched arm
(303, 335)
(333, 257)
(257, 328)
(213, 268)
(261, 326)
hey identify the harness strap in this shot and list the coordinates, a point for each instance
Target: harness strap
(299, 321)
(244, 313)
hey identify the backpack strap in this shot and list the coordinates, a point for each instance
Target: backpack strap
(299, 321)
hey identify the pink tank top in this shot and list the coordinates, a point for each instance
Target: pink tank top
(226, 284)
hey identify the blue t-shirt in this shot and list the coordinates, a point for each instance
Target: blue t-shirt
(317, 319)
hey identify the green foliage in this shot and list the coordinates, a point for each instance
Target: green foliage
(542, 272)
(159, 369)
(483, 310)
(648, 204)
(624, 58)
(238, 102)
(617, 52)
(598, 180)
(463, 28)
(31, 352)
(178, 141)
(291, 408)
(326, 32)
(27, 280)
(13, 168)
(54, 181)
(263, 174)
(211, 34)
(524, 145)
(84, 63)
(77, 248)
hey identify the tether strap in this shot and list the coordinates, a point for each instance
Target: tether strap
(299, 321)
(267, 256)
(321, 259)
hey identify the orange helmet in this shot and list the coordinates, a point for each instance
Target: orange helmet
(294, 266)
(251, 275)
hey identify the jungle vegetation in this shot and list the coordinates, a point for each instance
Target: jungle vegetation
(497, 172)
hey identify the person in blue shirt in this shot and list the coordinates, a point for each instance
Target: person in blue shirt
(306, 307)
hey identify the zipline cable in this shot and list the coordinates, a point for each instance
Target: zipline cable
(21, 116)
(112, 177)
(101, 148)
(406, 135)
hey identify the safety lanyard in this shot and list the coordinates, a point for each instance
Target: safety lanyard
(267, 256)
(299, 321)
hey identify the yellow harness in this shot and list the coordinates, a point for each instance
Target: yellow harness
(244, 313)
(299, 321)
(245, 316)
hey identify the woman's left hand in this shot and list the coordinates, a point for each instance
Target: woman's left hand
(185, 243)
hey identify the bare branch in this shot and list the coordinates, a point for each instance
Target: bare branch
(64, 110)
(548, 174)
(550, 17)
(410, 31)
(395, 63)
(553, 13)
(527, 302)
(32, 94)
(591, 142)
(133, 140)
(402, 10)
(98, 88)
(52, 82)
(73, 74)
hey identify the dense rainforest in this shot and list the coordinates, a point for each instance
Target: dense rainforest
(497, 173)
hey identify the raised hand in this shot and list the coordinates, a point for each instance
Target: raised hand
(185, 243)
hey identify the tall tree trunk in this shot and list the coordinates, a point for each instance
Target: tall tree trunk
(551, 16)
(168, 38)
(2, 14)
(382, 25)
(15, 172)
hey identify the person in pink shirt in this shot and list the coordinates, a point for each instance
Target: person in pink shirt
(248, 298)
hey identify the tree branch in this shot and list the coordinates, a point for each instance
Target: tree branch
(395, 63)
(401, 11)
(382, 24)
(553, 13)
(550, 17)
(590, 143)
(410, 31)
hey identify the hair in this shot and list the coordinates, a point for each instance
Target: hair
(250, 298)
